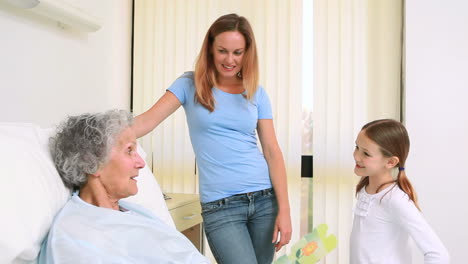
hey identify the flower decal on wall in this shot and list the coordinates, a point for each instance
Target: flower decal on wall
(310, 248)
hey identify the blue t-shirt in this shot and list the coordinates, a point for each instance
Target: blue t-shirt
(225, 141)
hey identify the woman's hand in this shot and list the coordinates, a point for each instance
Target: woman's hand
(282, 230)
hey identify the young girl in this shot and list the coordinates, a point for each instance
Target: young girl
(387, 212)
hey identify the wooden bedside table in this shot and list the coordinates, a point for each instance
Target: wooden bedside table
(185, 210)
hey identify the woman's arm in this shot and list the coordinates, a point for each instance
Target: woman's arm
(147, 121)
(274, 158)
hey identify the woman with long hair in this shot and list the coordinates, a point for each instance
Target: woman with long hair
(243, 191)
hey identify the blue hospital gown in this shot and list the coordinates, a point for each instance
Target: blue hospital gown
(84, 233)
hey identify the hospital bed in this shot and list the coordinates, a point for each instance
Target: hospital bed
(32, 191)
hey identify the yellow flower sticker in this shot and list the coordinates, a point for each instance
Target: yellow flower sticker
(309, 248)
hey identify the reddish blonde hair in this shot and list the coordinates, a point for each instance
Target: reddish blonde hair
(205, 71)
(393, 140)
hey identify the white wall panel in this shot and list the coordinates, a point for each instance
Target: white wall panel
(48, 72)
(436, 117)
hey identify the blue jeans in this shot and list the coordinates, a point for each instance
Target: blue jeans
(239, 228)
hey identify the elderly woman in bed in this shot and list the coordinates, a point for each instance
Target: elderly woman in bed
(96, 156)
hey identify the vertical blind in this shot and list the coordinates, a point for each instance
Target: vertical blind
(357, 69)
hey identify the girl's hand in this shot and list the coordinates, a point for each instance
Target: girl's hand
(282, 230)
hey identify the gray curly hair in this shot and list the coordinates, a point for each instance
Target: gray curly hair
(82, 144)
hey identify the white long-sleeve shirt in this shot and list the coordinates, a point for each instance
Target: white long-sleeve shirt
(382, 227)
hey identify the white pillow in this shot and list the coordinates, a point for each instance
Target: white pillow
(32, 191)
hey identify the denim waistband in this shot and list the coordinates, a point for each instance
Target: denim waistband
(260, 192)
(241, 196)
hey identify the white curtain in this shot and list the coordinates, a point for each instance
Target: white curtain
(357, 66)
(167, 38)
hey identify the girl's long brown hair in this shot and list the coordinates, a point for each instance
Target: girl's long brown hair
(393, 140)
(205, 71)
